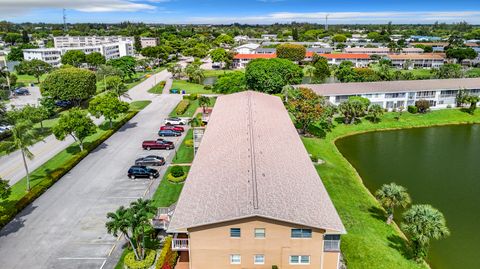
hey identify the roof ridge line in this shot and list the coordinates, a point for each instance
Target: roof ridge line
(252, 152)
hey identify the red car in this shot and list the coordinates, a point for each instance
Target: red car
(173, 128)
(157, 144)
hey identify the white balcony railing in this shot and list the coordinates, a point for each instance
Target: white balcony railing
(180, 244)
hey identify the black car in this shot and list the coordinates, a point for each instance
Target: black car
(64, 103)
(138, 171)
(151, 160)
(21, 91)
(169, 133)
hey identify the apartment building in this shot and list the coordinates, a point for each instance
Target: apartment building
(428, 60)
(381, 50)
(53, 56)
(358, 60)
(84, 41)
(256, 201)
(148, 42)
(440, 93)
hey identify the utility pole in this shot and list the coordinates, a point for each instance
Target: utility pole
(326, 22)
(65, 29)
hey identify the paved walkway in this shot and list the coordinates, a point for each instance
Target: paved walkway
(168, 86)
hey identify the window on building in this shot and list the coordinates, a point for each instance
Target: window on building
(235, 259)
(235, 232)
(301, 233)
(259, 232)
(299, 259)
(331, 242)
(259, 259)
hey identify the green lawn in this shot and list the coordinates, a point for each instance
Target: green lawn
(46, 175)
(184, 154)
(192, 108)
(158, 89)
(27, 79)
(190, 87)
(167, 192)
(473, 72)
(216, 73)
(420, 73)
(370, 243)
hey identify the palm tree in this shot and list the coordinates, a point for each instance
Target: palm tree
(391, 196)
(309, 71)
(120, 221)
(203, 101)
(143, 212)
(423, 223)
(22, 138)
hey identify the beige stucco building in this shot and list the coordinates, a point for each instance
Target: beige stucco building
(253, 198)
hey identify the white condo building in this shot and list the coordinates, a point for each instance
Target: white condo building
(441, 93)
(110, 47)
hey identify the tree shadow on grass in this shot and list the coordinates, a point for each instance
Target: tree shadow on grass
(73, 149)
(341, 120)
(377, 213)
(373, 120)
(401, 245)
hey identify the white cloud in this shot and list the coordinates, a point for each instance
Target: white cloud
(9, 8)
(351, 17)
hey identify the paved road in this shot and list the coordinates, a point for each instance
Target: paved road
(11, 166)
(64, 228)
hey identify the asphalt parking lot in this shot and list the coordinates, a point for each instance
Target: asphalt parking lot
(23, 100)
(65, 227)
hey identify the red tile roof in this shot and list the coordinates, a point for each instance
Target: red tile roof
(255, 56)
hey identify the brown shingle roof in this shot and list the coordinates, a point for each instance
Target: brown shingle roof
(329, 89)
(251, 162)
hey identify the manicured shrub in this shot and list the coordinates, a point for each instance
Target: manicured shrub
(179, 179)
(422, 105)
(193, 96)
(412, 109)
(177, 171)
(168, 257)
(189, 143)
(182, 107)
(131, 263)
(274, 267)
(208, 87)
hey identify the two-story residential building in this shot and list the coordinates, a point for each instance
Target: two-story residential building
(381, 50)
(253, 198)
(423, 60)
(248, 48)
(441, 93)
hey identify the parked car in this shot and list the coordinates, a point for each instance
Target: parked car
(169, 133)
(150, 160)
(138, 171)
(157, 144)
(175, 121)
(64, 103)
(173, 128)
(21, 91)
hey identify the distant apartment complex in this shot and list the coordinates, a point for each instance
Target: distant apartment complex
(111, 47)
(441, 93)
(148, 42)
(430, 60)
(358, 60)
(381, 51)
(259, 205)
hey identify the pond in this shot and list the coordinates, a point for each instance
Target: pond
(439, 166)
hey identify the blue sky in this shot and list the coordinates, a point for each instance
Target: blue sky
(246, 11)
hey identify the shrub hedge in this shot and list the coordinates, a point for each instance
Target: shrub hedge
(168, 257)
(8, 213)
(412, 109)
(182, 107)
(131, 263)
(177, 171)
(174, 179)
(189, 143)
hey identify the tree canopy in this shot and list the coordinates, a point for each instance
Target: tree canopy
(74, 58)
(107, 105)
(35, 68)
(270, 75)
(230, 82)
(291, 52)
(126, 64)
(75, 123)
(95, 59)
(72, 84)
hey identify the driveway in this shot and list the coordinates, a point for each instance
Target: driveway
(65, 227)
